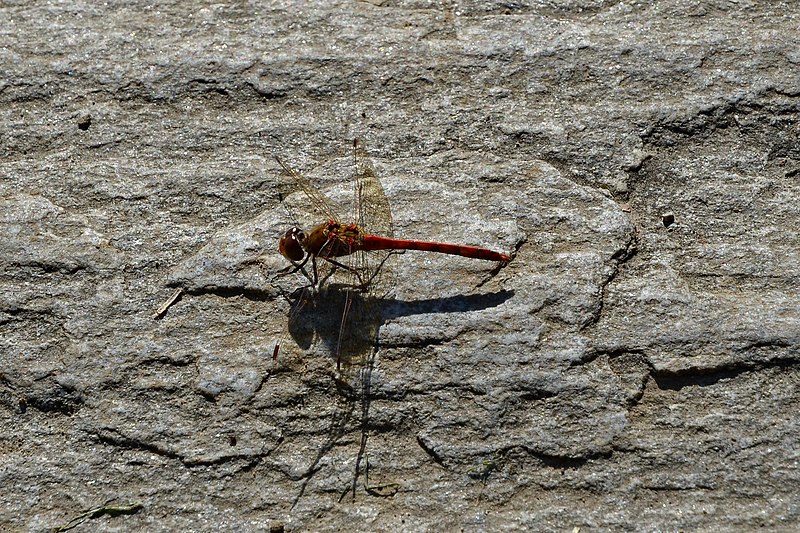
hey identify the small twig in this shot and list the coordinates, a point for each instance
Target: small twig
(166, 305)
(97, 512)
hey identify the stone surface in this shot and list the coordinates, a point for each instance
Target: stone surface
(635, 367)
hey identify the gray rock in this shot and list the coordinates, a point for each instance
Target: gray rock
(634, 367)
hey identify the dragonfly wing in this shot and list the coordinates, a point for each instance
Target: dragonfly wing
(373, 213)
(374, 216)
(319, 202)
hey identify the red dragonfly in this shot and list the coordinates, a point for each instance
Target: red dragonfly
(333, 240)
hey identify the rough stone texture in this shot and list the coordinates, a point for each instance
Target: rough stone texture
(634, 367)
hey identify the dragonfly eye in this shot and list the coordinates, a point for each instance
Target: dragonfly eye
(291, 244)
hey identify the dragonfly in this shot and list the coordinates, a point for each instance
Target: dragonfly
(359, 248)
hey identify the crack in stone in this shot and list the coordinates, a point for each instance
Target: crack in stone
(618, 259)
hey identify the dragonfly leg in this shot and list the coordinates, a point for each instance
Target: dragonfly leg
(314, 281)
(295, 267)
(360, 286)
(317, 282)
(324, 280)
(291, 269)
(378, 269)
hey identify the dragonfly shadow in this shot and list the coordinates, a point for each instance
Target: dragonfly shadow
(343, 323)
(451, 304)
(355, 341)
(351, 342)
(320, 319)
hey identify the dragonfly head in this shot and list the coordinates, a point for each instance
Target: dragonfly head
(291, 244)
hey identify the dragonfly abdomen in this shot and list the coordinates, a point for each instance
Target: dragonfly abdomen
(373, 242)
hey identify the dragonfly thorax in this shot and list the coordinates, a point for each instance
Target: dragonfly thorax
(329, 239)
(332, 239)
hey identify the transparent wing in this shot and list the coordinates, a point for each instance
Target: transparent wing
(362, 310)
(353, 337)
(319, 202)
(373, 213)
